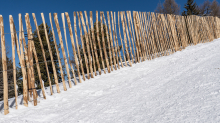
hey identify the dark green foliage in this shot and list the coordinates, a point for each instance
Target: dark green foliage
(97, 47)
(191, 8)
(41, 60)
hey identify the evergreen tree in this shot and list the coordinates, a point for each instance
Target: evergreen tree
(97, 47)
(47, 55)
(191, 8)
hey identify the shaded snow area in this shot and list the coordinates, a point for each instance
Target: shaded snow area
(182, 87)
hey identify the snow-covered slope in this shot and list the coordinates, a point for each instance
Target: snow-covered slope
(182, 87)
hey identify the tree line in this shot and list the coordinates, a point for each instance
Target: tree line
(207, 8)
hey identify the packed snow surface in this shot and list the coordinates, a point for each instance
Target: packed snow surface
(182, 87)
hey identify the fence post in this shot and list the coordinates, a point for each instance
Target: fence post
(73, 45)
(4, 66)
(71, 66)
(51, 56)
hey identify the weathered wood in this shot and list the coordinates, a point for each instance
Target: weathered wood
(116, 37)
(114, 41)
(111, 40)
(125, 39)
(147, 22)
(84, 51)
(142, 36)
(29, 31)
(98, 39)
(71, 66)
(31, 61)
(77, 45)
(94, 42)
(130, 24)
(108, 42)
(90, 42)
(11, 21)
(22, 62)
(122, 47)
(128, 37)
(103, 43)
(87, 44)
(62, 47)
(4, 66)
(73, 45)
(45, 60)
(51, 56)
(137, 36)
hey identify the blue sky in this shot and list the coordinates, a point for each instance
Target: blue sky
(14, 7)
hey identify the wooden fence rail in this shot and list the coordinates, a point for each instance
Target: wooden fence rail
(106, 44)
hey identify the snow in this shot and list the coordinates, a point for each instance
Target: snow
(182, 87)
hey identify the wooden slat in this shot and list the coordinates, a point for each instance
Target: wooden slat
(108, 42)
(143, 35)
(77, 45)
(87, 44)
(111, 40)
(130, 25)
(73, 45)
(98, 39)
(147, 22)
(22, 62)
(62, 47)
(29, 30)
(71, 66)
(84, 51)
(125, 39)
(31, 61)
(90, 42)
(122, 47)
(45, 60)
(94, 42)
(137, 36)
(114, 41)
(103, 42)
(4, 66)
(11, 21)
(116, 38)
(51, 55)
(128, 37)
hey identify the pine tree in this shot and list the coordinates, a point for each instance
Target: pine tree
(191, 8)
(47, 55)
(97, 47)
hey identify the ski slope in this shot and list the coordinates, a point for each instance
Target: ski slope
(182, 87)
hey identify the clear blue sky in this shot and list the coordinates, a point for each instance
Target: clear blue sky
(14, 7)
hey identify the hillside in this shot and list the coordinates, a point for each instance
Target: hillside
(182, 87)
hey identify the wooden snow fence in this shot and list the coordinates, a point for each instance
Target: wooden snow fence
(100, 41)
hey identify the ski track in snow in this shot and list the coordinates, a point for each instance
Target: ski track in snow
(182, 87)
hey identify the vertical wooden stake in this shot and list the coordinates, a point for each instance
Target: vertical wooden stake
(77, 45)
(111, 40)
(13, 57)
(87, 44)
(62, 47)
(73, 45)
(94, 43)
(29, 30)
(98, 39)
(125, 40)
(51, 55)
(110, 55)
(4, 66)
(122, 47)
(71, 66)
(90, 41)
(84, 51)
(22, 62)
